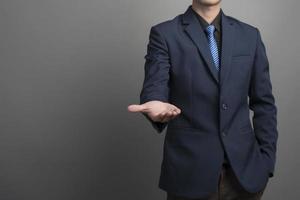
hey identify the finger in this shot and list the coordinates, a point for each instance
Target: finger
(167, 115)
(174, 114)
(174, 110)
(137, 108)
(163, 116)
(177, 110)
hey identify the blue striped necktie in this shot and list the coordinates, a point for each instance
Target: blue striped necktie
(213, 45)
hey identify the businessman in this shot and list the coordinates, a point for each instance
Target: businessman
(204, 72)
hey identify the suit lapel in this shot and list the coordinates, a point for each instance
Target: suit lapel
(228, 35)
(197, 35)
(195, 32)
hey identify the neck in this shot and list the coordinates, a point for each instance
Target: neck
(207, 12)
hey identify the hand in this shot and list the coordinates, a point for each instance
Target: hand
(158, 111)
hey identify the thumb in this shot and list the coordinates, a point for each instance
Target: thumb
(137, 108)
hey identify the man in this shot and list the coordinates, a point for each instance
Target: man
(200, 69)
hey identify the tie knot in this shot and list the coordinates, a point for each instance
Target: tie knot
(210, 29)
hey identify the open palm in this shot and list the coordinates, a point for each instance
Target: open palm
(158, 111)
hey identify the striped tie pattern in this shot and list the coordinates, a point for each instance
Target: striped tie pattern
(213, 45)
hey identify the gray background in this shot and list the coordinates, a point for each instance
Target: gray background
(70, 68)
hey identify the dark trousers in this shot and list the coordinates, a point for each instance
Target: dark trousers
(228, 189)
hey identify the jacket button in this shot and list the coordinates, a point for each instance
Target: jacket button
(223, 133)
(224, 106)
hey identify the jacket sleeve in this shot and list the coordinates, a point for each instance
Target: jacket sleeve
(156, 77)
(262, 103)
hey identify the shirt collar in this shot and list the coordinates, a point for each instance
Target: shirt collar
(216, 22)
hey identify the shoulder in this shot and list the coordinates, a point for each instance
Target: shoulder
(243, 26)
(167, 26)
(248, 31)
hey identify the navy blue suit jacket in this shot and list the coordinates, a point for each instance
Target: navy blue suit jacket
(215, 108)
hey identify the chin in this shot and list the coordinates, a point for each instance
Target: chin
(208, 2)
